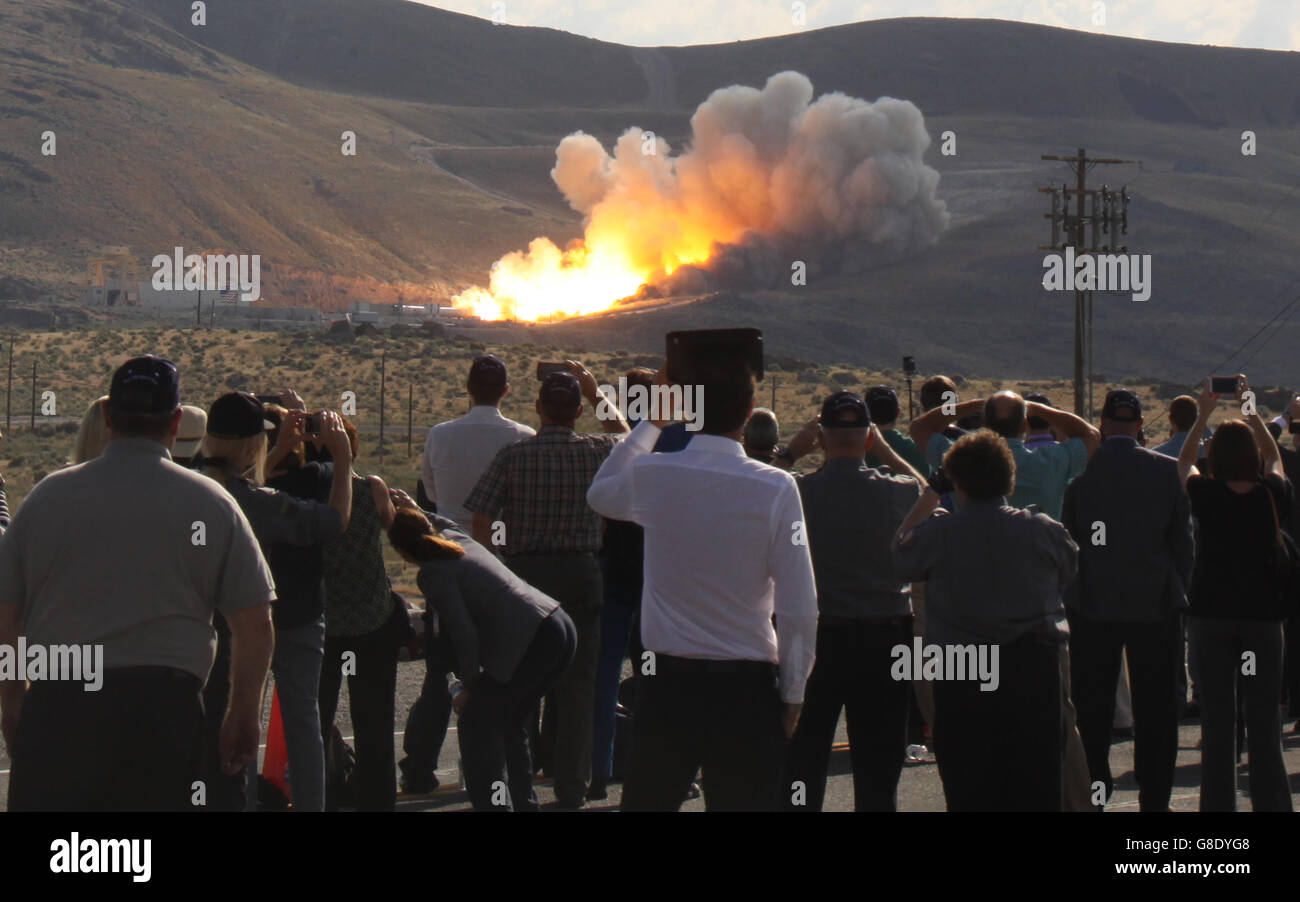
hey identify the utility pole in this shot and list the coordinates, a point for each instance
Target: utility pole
(1099, 209)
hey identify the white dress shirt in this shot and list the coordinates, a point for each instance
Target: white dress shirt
(458, 451)
(724, 549)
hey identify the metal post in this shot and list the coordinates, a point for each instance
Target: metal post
(9, 394)
(410, 418)
(1079, 324)
(382, 355)
(911, 413)
(33, 395)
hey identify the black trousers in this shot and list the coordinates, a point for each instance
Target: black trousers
(723, 717)
(429, 717)
(1003, 750)
(852, 672)
(1154, 652)
(134, 745)
(372, 690)
(493, 726)
(225, 792)
(574, 580)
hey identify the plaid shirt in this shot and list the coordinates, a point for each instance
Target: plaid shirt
(538, 487)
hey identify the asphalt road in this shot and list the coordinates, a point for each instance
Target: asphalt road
(919, 788)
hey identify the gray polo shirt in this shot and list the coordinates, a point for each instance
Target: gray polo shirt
(851, 513)
(133, 552)
(995, 573)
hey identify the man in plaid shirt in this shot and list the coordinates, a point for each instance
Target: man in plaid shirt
(531, 504)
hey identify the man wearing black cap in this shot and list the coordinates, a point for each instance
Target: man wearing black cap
(131, 554)
(531, 503)
(1132, 522)
(851, 513)
(882, 402)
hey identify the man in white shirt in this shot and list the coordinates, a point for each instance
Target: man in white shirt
(457, 452)
(724, 550)
(455, 455)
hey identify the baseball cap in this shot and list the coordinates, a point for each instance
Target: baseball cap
(237, 415)
(761, 429)
(189, 437)
(561, 389)
(845, 410)
(145, 385)
(1122, 401)
(882, 402)
(488, 369)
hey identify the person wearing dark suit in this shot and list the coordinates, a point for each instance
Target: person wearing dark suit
(1132, 521)
(511, 643)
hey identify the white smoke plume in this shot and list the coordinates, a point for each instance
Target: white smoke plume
(768, 177)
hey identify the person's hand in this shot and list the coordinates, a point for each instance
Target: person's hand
(401, 499)
(291, 433)
(1205, 404)
(9, 725)
(806, 440)
(790, 718)
(875, 439)
(585, 380)
(668, 411)
(335, 439)
(291, 400)
(1242, 387)
(238, 741)
(458, 701)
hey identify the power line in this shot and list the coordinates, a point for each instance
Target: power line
(1288, 306)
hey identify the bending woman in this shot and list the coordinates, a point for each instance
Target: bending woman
(511, 642)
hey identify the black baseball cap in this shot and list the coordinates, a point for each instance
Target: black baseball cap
(882, 403)
(488, 369)
(237, 415)
(147, 385)
(845, 410)
(561, 390)
(1123, 405)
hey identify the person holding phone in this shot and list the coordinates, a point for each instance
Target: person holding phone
(234, 455)
(1237, 604)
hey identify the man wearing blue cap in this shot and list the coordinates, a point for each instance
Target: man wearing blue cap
(1132, 522)
(128, 555)
(851, 512)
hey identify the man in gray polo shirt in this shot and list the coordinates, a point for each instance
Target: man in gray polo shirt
(851, 513)
(127, 556)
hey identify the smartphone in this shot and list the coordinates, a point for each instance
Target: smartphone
(546, 367)
(269, 399)
(1224, 385)
(686, 347)
(312, 425)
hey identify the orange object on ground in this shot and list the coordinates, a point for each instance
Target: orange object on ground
(275, 765)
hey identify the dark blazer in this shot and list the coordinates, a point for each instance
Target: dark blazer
(488, 614)
(1144, 569)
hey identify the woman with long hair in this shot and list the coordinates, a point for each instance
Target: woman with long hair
(510, 641)
(92, 434)
(359, 611)
(234, 454)
(1237, 602)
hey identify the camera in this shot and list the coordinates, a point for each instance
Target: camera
(909, 365)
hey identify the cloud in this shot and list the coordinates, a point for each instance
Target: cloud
(1269, 24)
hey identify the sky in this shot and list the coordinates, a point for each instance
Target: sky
(1269, 24)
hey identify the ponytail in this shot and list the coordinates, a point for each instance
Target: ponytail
(413, 535)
